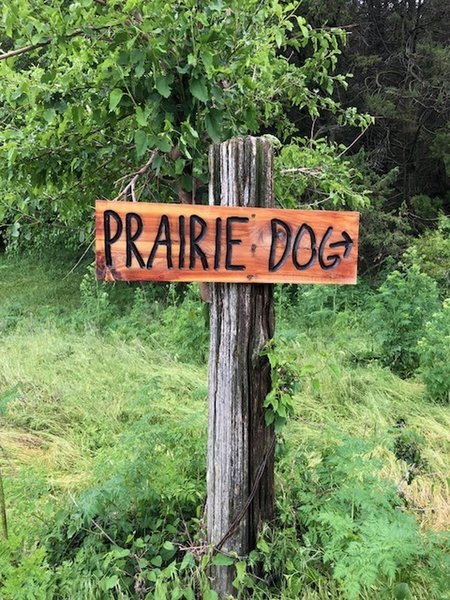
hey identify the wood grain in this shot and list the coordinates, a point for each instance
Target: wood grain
(240, 444)
(235, 244)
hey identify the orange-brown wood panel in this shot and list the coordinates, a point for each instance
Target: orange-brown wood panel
(175, 242)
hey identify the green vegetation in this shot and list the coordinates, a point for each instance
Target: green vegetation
(103, 387)
(434, 354)
(146, 87)
(401, 307)
(103, 438)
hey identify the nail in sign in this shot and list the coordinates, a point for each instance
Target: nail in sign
(178, 242)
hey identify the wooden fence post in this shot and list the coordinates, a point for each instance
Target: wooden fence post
(240, 446)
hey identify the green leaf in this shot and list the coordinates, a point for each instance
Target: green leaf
(120, 552)
(141, 117)
(162, 142)
(269, 417)
(207, 58)
(222, 560)
(162, 84)
(213, 123)
(49, 114)
(15, 230)
(161, 590)
(199, 90)
(215, 5)
(157, 163)
(165, 145)
(114, 98)
(188, 561)
(109, 582)
(262, 545)
(240, 571)
(168, 546)
(139, 70)
(179, 166)
(141, 141)
(328, 85)
(278, 38)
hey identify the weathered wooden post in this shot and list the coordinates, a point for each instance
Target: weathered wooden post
(240, 445)
(242, 246)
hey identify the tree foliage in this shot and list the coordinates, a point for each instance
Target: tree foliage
(398, 55)
(113, 99)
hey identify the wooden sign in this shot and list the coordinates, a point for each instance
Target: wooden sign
(178, 242)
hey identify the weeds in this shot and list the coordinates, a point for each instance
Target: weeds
(103, 421)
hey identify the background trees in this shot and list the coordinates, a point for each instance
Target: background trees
(95, 92)
(399, 56)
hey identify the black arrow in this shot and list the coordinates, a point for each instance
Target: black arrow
(347, 242)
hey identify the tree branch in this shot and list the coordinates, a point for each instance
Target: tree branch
(130, 188)
(303, 171)
(353, 143)
(32, 47)
(23, 50)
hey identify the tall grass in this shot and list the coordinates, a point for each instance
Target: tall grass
(103, 417)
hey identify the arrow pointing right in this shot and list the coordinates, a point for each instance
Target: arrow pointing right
(347, 242)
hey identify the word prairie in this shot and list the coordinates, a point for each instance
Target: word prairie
(176, 242)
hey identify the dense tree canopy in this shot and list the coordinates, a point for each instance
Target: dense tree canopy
(95, 91)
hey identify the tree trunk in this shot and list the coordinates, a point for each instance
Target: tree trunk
(240, 446)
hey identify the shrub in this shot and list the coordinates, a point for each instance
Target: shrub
(434, 355)
(400, 309)
(185, 328)
(431, 252)
(425, 208)
(25, 574)
(342, 529)
(309, 307)
(121, 537)
(95, 307)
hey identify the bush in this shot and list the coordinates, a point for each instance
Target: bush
(120, 538)
(401, 307)
(312, 307)
(185, 328)
(425, 209)
(96, 308)
(431, 253)
(434, 355)
(342, 529)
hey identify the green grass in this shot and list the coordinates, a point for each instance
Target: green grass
(79, 404)
(368, 401)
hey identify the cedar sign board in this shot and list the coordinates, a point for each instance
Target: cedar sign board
(185, 242)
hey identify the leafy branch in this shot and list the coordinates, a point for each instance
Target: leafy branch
(43, 43)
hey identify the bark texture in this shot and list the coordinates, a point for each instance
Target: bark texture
(241, 323)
